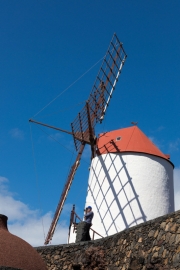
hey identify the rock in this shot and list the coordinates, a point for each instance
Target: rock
(151, 233)
(161, 250)
(177, 239)
(172, 239)
(173, 228)
(168, 235)
(160, 235)
(56, 257)
(176, 260)
(168, 227)
(124, 242)
(163, 225)
(111, 267)
(156, 234)
(155, 258)
(166, 261)
(129, 253)
(140, 240)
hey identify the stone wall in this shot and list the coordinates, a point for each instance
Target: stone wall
(151, 245)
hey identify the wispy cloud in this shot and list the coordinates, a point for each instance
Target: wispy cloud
(17, 133)
(160, 128)
(156, 142)
(55, 136)
(26, 223)
(157, 129)
(175, 145)
(3, 180)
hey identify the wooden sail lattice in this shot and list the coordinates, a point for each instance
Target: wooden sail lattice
(101, 92)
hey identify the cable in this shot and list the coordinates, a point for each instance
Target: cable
(56, 140)
(69, 87)
(63, 110)
(60, 143)
(37, 183)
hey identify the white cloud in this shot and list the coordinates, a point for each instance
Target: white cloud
(177, 188)
(3, 179)
(34, 230)
(31, 226)
(156, 142)
(174, 146)
(160, 128)
(17, 133)
(28, 224)
(55, 137)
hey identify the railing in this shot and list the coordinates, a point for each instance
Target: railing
(73, 222)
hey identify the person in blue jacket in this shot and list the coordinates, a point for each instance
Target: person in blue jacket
(88, 219)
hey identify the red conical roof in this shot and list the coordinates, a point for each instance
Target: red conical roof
(130, 139)
(15, 252)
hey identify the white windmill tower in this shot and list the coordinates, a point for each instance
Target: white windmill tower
(130, 181)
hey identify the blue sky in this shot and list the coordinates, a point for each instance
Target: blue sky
(47, 45)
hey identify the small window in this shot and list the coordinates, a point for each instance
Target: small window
(118, 138)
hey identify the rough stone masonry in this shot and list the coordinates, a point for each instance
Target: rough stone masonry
(151, 245)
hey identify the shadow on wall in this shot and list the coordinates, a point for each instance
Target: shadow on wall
(119, 212)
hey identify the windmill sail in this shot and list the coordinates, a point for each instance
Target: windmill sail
(101, 92)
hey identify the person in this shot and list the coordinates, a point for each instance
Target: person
(88, 219)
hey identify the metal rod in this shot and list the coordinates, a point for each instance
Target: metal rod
(91, 133)
(46, 125)
(64, 196)
(73, 137)
(110, 68)
(80, 121)
(59, 129)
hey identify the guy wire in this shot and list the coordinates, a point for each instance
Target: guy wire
(37, 182)
(69, 87)
(65, 109)
(60, 143)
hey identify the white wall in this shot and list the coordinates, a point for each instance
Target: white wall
(127, 189)
(72, 238)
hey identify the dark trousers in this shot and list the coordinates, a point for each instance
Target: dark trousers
(86, 235)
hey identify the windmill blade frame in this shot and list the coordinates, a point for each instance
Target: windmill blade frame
(102, 91)
(64, 196)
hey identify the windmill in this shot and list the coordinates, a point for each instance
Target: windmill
(83, 127)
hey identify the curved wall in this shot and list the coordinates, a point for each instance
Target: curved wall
(152, 245)
(127, 189)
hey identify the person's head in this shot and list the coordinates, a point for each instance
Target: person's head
(89, 208)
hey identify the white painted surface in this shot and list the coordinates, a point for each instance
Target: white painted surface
(72, 238)
(127, 189)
